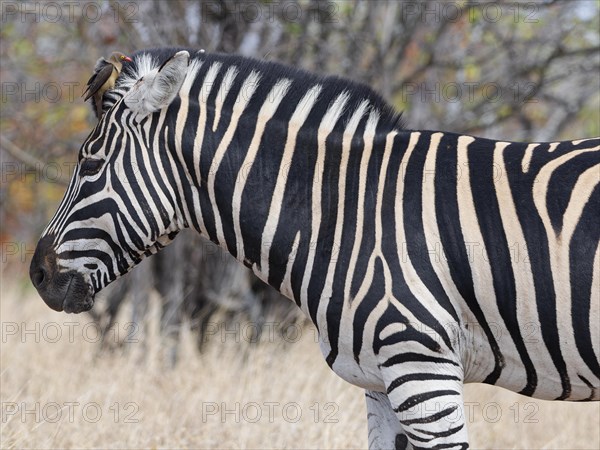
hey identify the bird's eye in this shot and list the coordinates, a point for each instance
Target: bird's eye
(90, 166)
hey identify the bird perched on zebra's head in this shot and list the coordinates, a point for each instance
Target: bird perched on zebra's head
(104, 78)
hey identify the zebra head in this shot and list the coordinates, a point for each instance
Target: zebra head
(115, 210)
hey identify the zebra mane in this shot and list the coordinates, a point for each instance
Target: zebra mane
(147, 61)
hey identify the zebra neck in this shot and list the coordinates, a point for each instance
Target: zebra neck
(267, 187)
(261, 147)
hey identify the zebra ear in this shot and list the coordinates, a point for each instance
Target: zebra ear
(157, 89)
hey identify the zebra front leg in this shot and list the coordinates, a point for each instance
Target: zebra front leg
(426, 395)
(385, 431)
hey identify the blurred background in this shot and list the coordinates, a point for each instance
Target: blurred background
(512, 71)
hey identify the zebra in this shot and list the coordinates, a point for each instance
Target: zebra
(425, 259)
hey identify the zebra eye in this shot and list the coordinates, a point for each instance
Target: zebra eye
(90, 166)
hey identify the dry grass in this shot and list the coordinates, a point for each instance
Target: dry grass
(145, 405)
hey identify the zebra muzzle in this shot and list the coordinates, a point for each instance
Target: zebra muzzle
(61, 291)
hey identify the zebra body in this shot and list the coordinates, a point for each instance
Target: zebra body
(425, 259)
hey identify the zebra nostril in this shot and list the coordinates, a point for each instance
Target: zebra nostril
(38, 277)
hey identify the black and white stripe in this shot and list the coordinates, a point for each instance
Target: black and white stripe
(425, 259)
